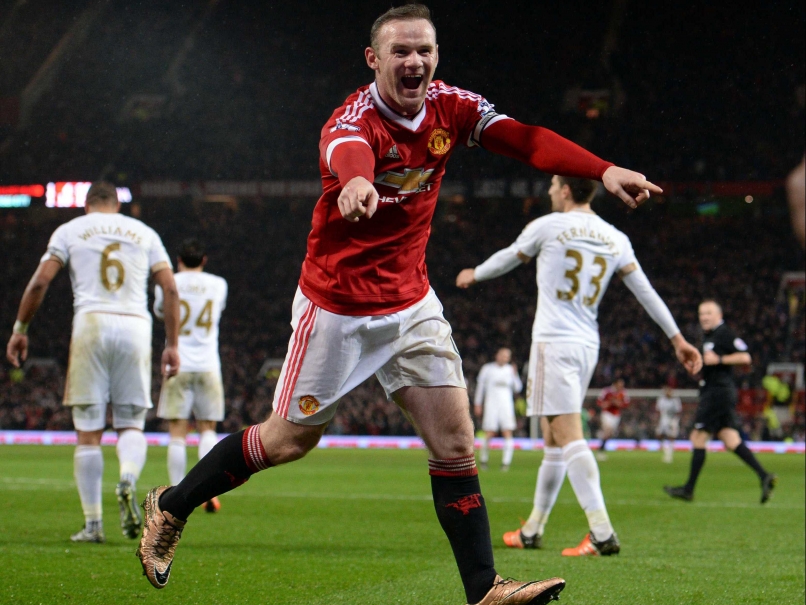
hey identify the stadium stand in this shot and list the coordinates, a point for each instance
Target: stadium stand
(205, 97)
(259, 247)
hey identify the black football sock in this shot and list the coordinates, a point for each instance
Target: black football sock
(750, 460)
(603, 445)
(463, 515)
(229, 464)
(697, 462)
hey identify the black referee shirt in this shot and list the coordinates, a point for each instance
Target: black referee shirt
(722, 340)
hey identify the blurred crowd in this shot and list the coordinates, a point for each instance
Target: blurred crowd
(239, 91)
(259, 246)
(219, 90)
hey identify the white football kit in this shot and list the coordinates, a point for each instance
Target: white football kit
(495, 386)
(669, 409)
(198, 386)
(577, 254)
(110, 257)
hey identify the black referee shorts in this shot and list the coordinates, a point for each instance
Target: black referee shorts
(717, 410)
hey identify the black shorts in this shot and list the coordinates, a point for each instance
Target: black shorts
(717, 410)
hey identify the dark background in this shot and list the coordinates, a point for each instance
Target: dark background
(228, 90)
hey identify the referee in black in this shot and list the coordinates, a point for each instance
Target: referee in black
(716, 413)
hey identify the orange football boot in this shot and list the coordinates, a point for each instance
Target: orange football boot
(589, 547)
(516, 539)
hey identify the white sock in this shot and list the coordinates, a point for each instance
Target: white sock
(88, 470)
(177, 459)
(131, 448)
(583, 472)
(509, 450)
(484, 456)
(550, 477)
(207, 441)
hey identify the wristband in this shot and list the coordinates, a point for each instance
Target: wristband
(20, 328)
(720, 360)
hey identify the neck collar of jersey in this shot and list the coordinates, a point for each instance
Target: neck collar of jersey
(715, 328)
(390, 114)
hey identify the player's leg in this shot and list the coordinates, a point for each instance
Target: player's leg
(441, 417)
(509, 449)
(583, 474)
(734, 442)
(208, 410)
(236, 458)
(484, 452)
(425, 378)
(207, 441)
(668, 448)
(609, 424)
(129, 422)
(177, 449)
(699, 442)
(545, 386)
(86, 391)
(175, 402)
(327, 357)
(550, 477)
(88, 470)
(507, 423)
(130, 393)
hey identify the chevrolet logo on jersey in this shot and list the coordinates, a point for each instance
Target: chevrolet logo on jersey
(411, 181)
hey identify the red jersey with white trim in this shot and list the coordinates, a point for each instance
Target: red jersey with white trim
(377, 266)
(612, 400)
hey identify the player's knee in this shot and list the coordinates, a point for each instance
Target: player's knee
(455, 445)
(294, 448)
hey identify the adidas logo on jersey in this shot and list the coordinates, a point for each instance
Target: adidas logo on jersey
(392, 153)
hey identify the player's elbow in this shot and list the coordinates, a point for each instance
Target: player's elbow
(38, 285)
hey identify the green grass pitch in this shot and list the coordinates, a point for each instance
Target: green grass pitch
(357, 527)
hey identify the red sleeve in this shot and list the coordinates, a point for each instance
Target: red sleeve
(353, 159)
(543, 149)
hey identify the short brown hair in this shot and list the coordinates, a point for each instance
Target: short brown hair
(712, 301)
(407, 12)
(101, 193)
(582, 190)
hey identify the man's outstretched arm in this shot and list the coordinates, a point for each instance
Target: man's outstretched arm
(547, 151)
(497, 265)
(638, 283)
(17, 348)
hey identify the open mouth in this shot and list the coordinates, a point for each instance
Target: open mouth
(412, 82)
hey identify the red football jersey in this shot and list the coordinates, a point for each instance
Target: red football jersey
(611, 400)
(377, 266)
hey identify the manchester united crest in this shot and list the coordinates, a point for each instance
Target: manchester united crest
(308, 405)
(439, 142)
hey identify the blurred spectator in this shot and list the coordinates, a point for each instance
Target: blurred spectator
(259, 246)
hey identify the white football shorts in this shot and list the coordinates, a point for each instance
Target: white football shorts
(559, 375)
(199, 392)
(669, 426)
(93, 417)
(610, 421)
(329, 355)
(498, 416)
(110, 361)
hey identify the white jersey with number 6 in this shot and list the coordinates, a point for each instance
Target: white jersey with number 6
(110, 257)
(578, 253)
(202, 298)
